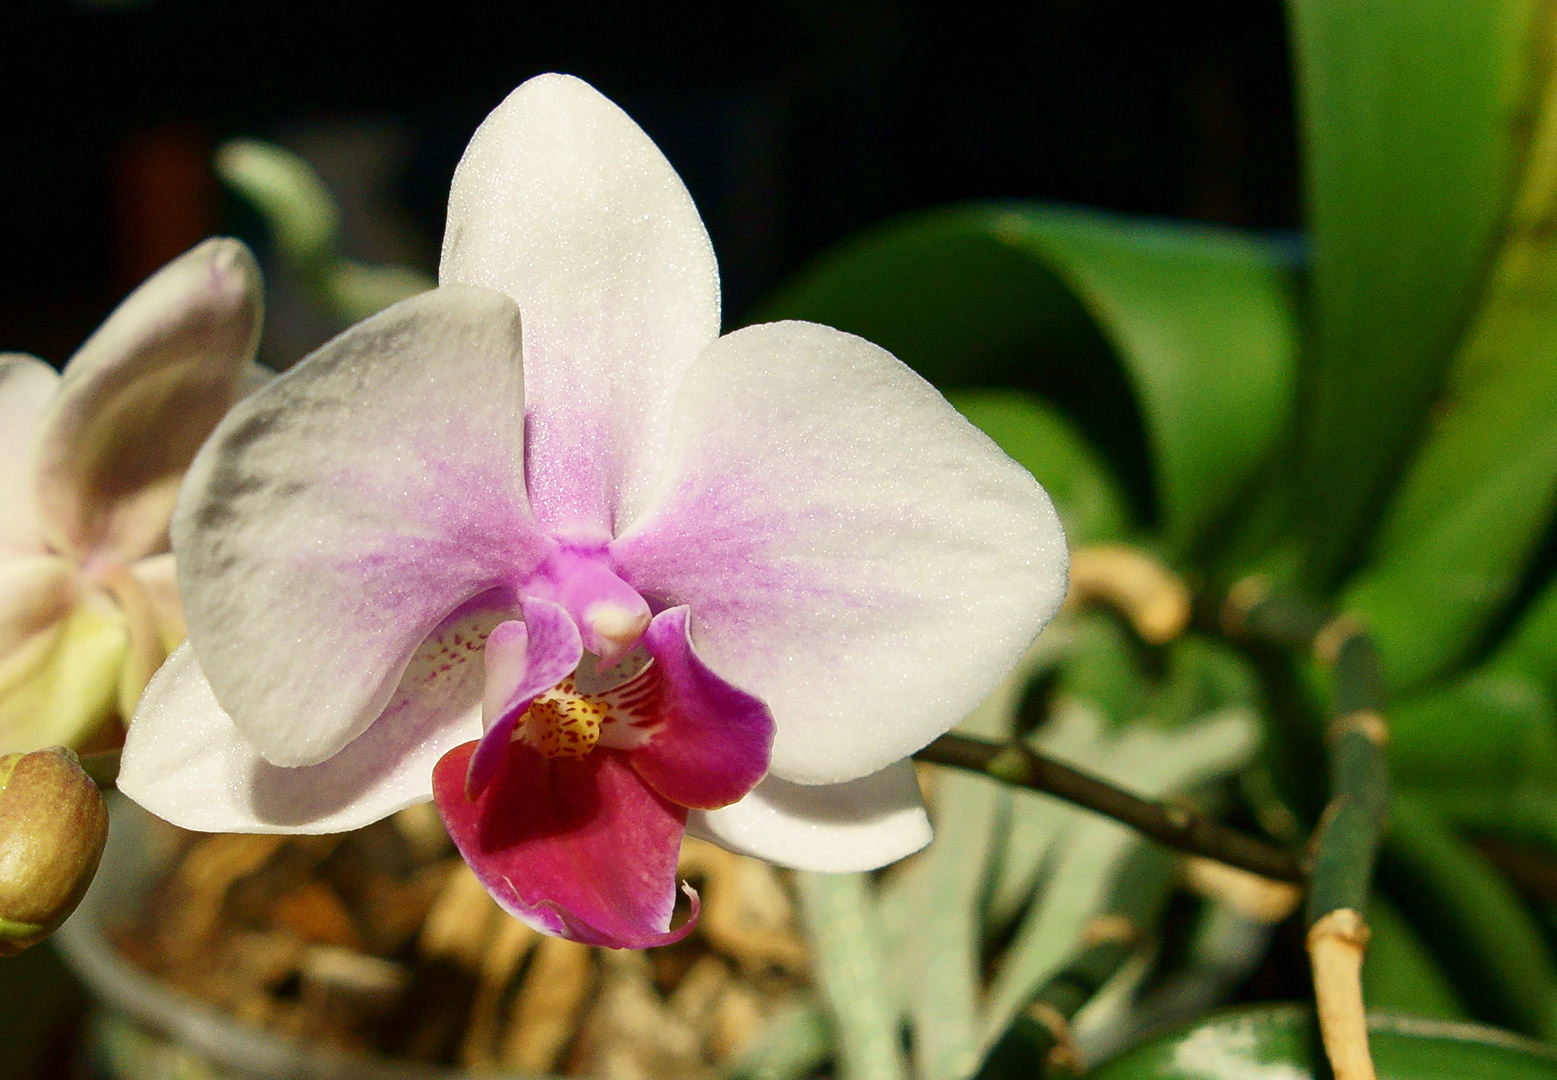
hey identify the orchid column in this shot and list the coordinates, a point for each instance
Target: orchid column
(542, 545)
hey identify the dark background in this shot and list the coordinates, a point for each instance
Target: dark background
(793, 123)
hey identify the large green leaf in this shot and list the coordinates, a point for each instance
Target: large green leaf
(1414, 118)
(1475, 502)
(1491, 729)
(1480, 931)
(1201, 321)
(1278, 1042)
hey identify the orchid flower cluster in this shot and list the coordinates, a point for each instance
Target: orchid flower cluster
(541, 545)
(90, 463)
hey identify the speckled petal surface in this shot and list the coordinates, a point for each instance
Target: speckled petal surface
(27, 385)
(854, 552)
(339, 513)
(140, 396)
(835, 828)
(563, 203)
(185, 760)
(579, 848)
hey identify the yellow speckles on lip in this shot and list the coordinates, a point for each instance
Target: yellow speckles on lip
(563, 724)
(577, 714)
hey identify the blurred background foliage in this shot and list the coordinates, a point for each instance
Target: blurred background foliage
(1260, 289)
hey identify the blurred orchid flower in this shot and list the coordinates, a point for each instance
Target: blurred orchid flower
(90, 463)
(542, 545)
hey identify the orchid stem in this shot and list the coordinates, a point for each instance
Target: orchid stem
(1175, 825)
(1345, 845)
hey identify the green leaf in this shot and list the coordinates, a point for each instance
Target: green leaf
(1202, 675)
(1475, 502)
(839, 920)
(1414, 125)
(1087, 861)
(1278, 1042)
(1103, 667)
(1045, 442)
(1490, 729)
(1482, 934)
(1399, 974)
(1530, 649)
(1201, 321)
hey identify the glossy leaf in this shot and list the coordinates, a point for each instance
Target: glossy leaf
(1476, 501)
(1201, 322)
(1414, 120)
(1278, 1042)
(1481, 932)
(1090, 503)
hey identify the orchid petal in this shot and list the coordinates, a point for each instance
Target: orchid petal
(36, 591)
(523, 661)
(158, 577)
(344, 509)
(834, 828)
(857, 554)
(712, 742)
(563, 203)
(27, 385)
(139, 398)
(186, 761)
(62, 683)
(576, 847)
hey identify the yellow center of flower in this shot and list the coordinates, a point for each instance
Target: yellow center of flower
(563, 722)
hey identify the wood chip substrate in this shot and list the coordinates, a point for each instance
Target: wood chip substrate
(382, 941)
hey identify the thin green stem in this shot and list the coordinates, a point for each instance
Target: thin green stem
(1175, 825)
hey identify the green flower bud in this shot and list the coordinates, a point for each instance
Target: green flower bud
(53, 824)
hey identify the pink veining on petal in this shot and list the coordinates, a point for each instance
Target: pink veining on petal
(712, 739)
(523, 661)
(581, 848)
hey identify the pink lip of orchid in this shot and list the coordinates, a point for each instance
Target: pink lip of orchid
(89, 464)
(542, 545)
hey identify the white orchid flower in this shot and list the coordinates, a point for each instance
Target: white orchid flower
(90, 463)
(541, 545)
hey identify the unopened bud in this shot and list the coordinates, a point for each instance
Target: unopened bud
(53, 824)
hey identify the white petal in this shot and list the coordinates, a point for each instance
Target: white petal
(835, 828)
(157, 575)
(343, 510)
(139, 398)
(185, 761)
(563, 203)
(27, 385)
(853, 551)
(36, 591)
